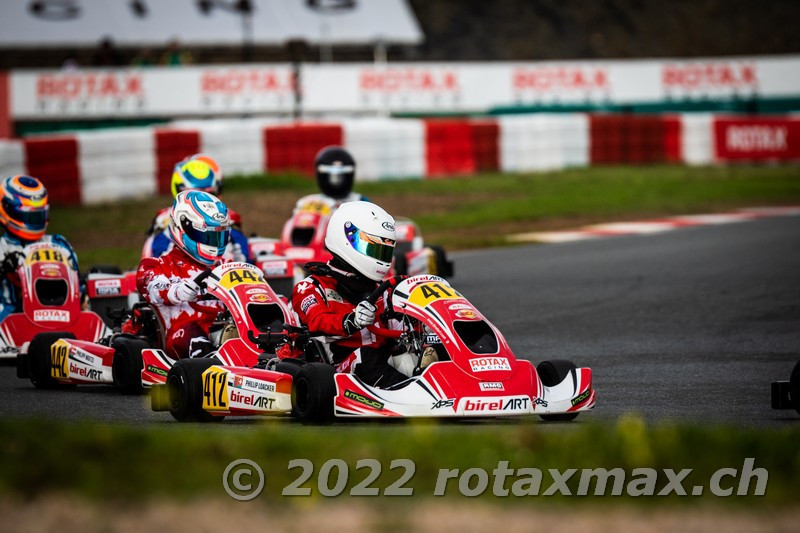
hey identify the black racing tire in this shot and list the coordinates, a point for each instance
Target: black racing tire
(127, 365)
(794, 387)
(39, 362)
(444, 268)
(104, 269)
(290, 366)
(400, 264)
(22, 366)
(313, 392)
(185, 390)
(552, 373)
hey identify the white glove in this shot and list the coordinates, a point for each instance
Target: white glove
(183, 291)
(364, 314)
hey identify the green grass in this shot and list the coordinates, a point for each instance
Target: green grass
(114, 462)
(463, 212)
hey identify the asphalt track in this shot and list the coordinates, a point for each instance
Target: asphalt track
(690, 325)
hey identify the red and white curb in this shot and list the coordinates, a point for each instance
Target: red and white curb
(660, 225)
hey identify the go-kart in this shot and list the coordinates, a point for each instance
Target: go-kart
(235, 381)
(51, 309)
(786, 394)
(474, 373)
(303, 240)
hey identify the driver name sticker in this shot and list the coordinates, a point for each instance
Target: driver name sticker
(215, 389)
(429, 292)
(486, 364)
(50, 315)
(239, 276)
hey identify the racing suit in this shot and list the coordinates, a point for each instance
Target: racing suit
(324, 302)
(185, 323)
(158, 241)
(10, 301)
(327, 200)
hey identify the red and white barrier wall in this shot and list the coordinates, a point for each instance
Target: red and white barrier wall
(100, 166)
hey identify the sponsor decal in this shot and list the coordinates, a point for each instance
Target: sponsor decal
(333, 296)
(458, 307)
(156, 370)
(388, 226)
(409, 79)
(300, 253)
(560, 78)
(432, 338)
(254, 401)
(104, 287)
(491, 385)
(259, 385)
(443, 403)
(307, 302)
(50, 272)
(578, 399)
(486, 364)
(51, 315)
(237, 381)
(695, 76)
(274, 268)
(538, 401)
(483, 405)
(89, 374)
(466, 313)
(256, 291)
(245, 82)
(369, 402)
(259, 298)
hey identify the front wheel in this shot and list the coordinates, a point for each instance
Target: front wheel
(185, 390)
(552, 373)
(313, 392)
(40, 361)
(127, 365)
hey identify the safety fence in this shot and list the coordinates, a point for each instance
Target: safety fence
(107, 165)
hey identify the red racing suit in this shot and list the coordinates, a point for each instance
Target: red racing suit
(319, 304)
(183, 322)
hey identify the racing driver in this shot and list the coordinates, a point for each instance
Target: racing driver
(332, 300)
(199, 228)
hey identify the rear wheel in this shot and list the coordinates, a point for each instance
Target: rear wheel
(40, 361)
(794, 387)
(185, 390)
(313, 392)
(444, 268)
(552, 373)
(127, 365)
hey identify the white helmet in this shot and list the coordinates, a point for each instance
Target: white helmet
(362, 235)
(199, 225)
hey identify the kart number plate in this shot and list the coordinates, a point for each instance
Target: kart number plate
(59, 360)
(215, 389)
(46, 255)
(239, 276)
(427, 293)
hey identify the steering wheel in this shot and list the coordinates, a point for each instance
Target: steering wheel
(387, 284)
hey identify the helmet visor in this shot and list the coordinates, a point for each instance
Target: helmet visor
(216, 237)
(380, 248)
(33, 218)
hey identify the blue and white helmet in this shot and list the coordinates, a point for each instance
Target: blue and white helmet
(199, 225)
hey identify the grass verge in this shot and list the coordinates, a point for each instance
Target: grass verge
(129, 463)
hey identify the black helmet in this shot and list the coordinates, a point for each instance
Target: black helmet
(336, 171)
